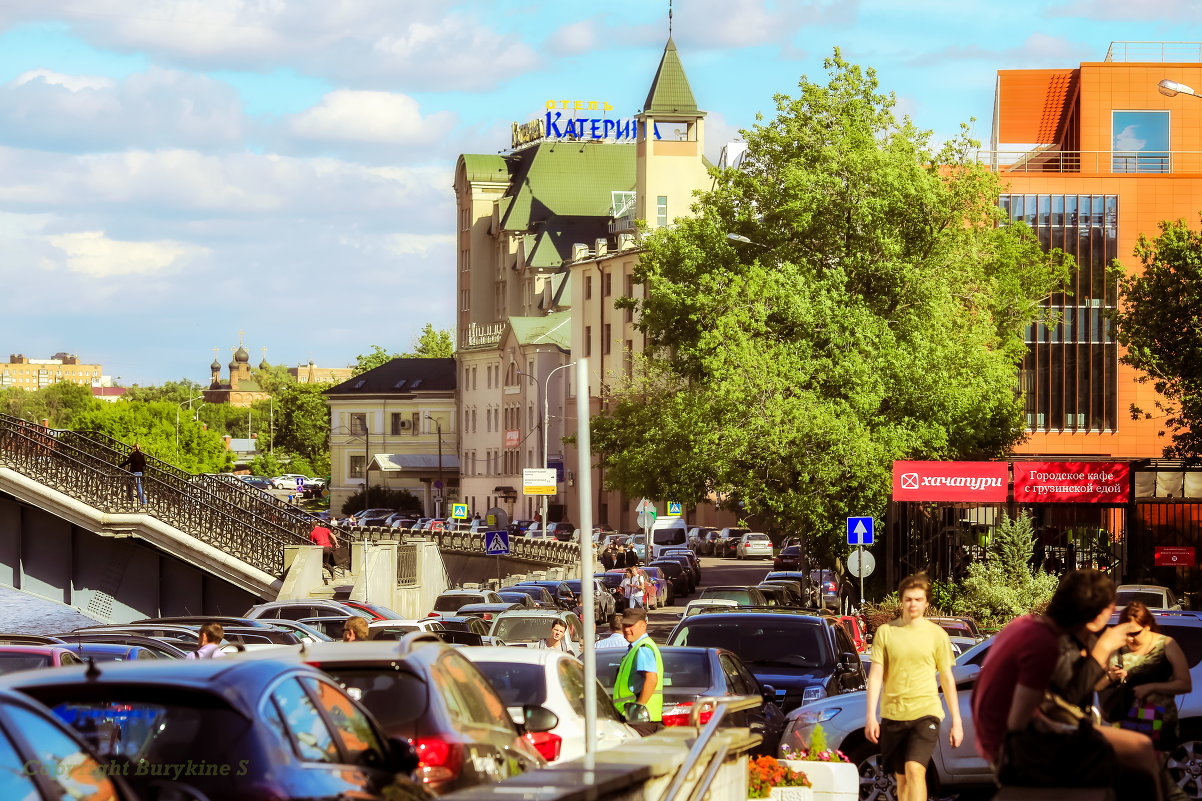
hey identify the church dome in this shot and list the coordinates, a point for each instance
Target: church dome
(216, 365)
(241, 356)
(263, 365)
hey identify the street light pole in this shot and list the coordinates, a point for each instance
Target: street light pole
(542, 428)
(441, 487)
(546, 419)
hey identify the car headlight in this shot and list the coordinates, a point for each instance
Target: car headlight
(818, 716)
(813, 693)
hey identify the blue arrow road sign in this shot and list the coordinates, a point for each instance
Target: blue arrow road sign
(496, 543)
(859, 531)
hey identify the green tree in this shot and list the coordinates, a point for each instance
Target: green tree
(274, 377)
(152, 426)
(1158, 325)
(1004, 585)
(432, 344)
(382, 498)
(871, 308)
(302, 426)
(370, 361)
(170, 391)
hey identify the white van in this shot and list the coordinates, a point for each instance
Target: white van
(668, 532)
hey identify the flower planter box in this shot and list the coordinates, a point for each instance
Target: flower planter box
(792, 794)
(832, 781)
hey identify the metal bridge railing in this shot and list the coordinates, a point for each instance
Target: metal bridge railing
(86, 469)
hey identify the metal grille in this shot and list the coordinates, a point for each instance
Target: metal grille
(211, 510)
(406, 565)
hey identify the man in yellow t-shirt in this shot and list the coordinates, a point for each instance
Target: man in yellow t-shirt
(906, 653)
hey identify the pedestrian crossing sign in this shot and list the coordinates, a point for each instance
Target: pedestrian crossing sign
(674, 508)
(496, 543)
(459, 511)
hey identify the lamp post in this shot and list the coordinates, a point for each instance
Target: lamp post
(542, 429)
(1173, 88)
(177, 408)
(546, 417)
(441, 487)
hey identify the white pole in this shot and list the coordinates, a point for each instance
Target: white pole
(584, 484)
(860, 569)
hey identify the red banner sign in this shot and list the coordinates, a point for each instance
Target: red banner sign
(1173, 556)
(513, 438)
(1072, 482)
(984, 482)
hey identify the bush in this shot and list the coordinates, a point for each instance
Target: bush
(1005, 587)
(382, 498)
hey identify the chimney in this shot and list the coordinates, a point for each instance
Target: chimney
(579, 251)
(625, 241)
(601, 246)
(227, 439)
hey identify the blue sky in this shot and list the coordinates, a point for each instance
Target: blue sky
(174, 171)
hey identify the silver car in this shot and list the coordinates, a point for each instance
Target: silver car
(754, 546)
(842, 719)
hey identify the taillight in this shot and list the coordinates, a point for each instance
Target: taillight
(830, 586)
(434, 614)
(546, 743)
(488, 615)
(438, 760)
(678, 714)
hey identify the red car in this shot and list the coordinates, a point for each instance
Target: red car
(32, 657)
(375, 610)
(855, 628)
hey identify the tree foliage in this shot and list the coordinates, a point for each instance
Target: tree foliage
(370, 361)
(1158, 325)
(874, 312)
(379, 497)
(431, 343)
(153, 427)
(1004, 586)
(302, 425)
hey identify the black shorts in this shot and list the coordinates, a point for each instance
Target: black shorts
(905, 741)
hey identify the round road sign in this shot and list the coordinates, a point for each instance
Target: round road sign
(854, 567)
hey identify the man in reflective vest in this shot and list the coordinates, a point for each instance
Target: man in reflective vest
(639, 689)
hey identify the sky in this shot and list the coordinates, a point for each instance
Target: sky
(173, 172)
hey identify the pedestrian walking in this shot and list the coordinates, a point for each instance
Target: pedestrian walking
(607, 559)
(136, 461)
(208, 642)
(615, 638)
(631, 557)
(328, 540)
(355, 630)
(906, 654)
(638, 690)
(633, 588)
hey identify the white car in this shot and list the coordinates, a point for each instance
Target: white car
(395, 629)
(754, 545)
(288, 481)
(554, 680)
(1152, 596)
(527, 626)
(697, 605)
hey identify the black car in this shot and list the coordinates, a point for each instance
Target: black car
(685, 562)
(803, 656)
(613, 584)
(268, 728)
(560, 591)
(784, 594)
(43, 760)
(603, 602)
(690, 673)
(473, 625)
(518, 527)
(519, 598)
(540, 595)
(675, 572)
(796, 575)
(789, 558)
(689, 554)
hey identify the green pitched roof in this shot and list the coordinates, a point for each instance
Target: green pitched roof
(479, 167)
(566, 179)
(553, 329)
(670, 92)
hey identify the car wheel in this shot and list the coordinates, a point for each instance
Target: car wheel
(1185, 764)
(876, 784)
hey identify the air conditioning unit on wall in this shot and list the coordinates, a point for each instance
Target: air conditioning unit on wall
(404, 425)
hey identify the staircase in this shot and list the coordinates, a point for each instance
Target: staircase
(220, 511)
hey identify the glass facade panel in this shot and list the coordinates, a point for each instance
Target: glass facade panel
(1069, 375)
(1140, 141)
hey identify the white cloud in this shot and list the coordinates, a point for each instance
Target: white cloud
(52, 111)
(1177, 11)
(384, 118)
(382, 43)
(92, 253)
(1038, 50)
(406, 244)
(1126, 139)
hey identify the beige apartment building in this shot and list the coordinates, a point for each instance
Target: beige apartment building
(23, 372)
(396, 427)
(547, 245)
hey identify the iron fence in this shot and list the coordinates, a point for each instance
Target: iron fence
(257, 536)
(406, 565)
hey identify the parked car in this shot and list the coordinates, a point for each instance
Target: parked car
(1151, 595)
(727, 539)
(694, 560)
(786, 593)
(858, 632)
(803, 656)
(554, 680)
(451, 601)
(639, 543)
(519, 598)
(658, 598)
(36, 744)
(14, 658)
(561, 531)
(603, 602)
(686, 562)
(161, 648)
(697, 538)
(789, 558)
(531, 625)
(741, 595)
(674, 572)
(258, 482)
(709, 545)
(803, 579)
(827, 584)
(288, 481)
(489, 612)
(690, 673)
(753, 546)
(287, 731)
(703, 604)
(665, 592)
(613, 585)
(539, 594)
(466, 623)
(309, 607)
(377, 611)
(559, 590)
(112, 652)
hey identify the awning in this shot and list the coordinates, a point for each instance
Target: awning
(417, 462)
(505, 490)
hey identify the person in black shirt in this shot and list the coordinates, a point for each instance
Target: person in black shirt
(136, 461)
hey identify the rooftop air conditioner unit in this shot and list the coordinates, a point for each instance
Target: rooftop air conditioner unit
(601, 246)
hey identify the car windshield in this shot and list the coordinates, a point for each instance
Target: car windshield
(668, 536)
(1152, 600)
(757, 537)
(158, 732)
(522, 629)
(11, 663)
(452, 603)
(741, 597)
(683, 670)
(395, 697)
(757, 641)
(518, 684)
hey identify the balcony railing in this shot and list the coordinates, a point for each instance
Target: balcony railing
(1162, 52)
(1093, 162)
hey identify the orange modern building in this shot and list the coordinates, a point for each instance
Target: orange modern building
(1091, 157)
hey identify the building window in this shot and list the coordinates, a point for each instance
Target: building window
(358, 423)
(588, 341)
(588, 287)
(399, 423)
(357, 463)
(1069, 375)
(606, 284)
(661, 211)
(605, 340)
(1140, 141)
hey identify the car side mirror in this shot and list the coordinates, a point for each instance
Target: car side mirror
(539, 719)
(768, 691)
(402, 758)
